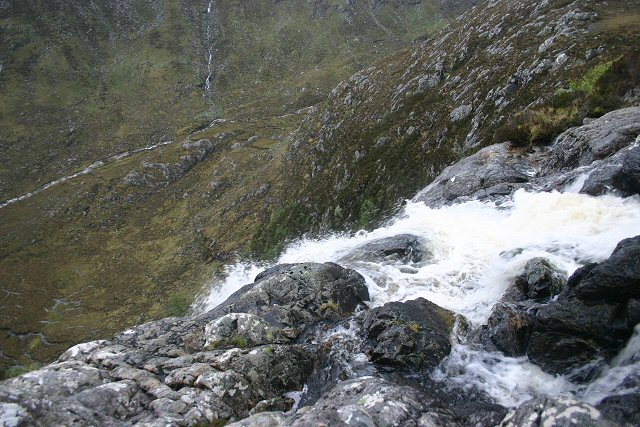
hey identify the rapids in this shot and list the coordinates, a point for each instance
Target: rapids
(478, 248)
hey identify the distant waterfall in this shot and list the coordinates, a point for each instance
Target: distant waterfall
(209, 54)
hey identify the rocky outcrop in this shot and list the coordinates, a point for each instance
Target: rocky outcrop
(599, 156)
(236, 360)
(414, 334)
(153, 173)
(395, 126)
(492, 172)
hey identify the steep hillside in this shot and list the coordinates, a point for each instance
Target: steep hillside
(79, 82)
(510, 70)
(135, 235)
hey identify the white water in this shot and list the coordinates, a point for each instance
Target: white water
(209, 55)
(477, 250)
(87, 170)
(611, 380)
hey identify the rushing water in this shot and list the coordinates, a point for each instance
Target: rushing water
(477, 249)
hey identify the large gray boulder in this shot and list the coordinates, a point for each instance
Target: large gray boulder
(298, 295)
(604, 148)
(493, 172)
(595, 140)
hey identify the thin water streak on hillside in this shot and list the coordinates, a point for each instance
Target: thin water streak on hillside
(209, 55)
(87, 170)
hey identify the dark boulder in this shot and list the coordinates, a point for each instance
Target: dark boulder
(539, 281)
(622, 410)
(406, 248)
(627, 180)
(508, 328)
(587, 323)
(593, 317)
(615, 280)
(414, 334)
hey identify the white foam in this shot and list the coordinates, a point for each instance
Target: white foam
(478, 248)
(510, 381)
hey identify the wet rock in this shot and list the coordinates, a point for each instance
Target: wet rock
(492, 172)
(509, 328)
(403, 247)
(365, 402)
(539, 281)
(622, 410)
(554, 412)
(615, 280)
(619, 174)
(593, 317)
(415, 334)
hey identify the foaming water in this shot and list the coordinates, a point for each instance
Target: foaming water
(477, 249)
(509, 380)
(621, 376)
(234, 277)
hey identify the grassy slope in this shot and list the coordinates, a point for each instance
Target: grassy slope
(288, 55)
(95, 255)
(80, 81)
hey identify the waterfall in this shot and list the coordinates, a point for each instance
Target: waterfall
(209, 54)
(478, 248)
